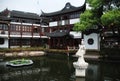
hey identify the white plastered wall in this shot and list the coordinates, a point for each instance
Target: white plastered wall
(73, 21)
(96, 41)
(5, 45)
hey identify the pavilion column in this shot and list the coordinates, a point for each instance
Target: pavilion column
(53, 43)
(39, 31)
(58, 23)
(49, 29)
(32, 36)
(73, 41)
(21, 35)
(63, 42)
(8, 35)
(49, 39)
(49, 42)
(58, 42)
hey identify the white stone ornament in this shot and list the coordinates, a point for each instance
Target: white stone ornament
(80, 66)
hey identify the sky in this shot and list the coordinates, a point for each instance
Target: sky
(35, 6)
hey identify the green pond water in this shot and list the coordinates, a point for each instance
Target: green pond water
(59, 68)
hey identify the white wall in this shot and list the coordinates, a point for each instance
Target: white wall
(76, 34)
(63, 22)
(29, 24)
(5, 45)
(53, 23)
(95, 45)
(73, 21)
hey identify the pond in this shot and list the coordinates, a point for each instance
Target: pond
(58, 67)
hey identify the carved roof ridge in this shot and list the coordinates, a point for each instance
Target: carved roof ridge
(66, 9)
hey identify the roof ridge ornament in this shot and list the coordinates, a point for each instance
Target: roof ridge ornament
(68, 5)
(68, 8)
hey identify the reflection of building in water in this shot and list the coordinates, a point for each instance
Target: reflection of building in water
(50, 68)
(111, 71)
(105, 71)
(24, 73)
(93, 73)
(80, 79)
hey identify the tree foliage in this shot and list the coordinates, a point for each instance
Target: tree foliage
(95, 4)
(111, 18)
(111, 4)
(87, 19)
(95, 16)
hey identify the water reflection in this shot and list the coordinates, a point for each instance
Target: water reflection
(43, 69)
(59, 69)
(103, 71)
(93, 73)
(80, 79)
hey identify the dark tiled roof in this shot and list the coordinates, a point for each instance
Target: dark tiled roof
(89, 31)
(67, 9)
(58, 33)
(4, 12)
(21, 14)
(4, 18)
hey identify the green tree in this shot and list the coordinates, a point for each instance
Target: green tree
(95, 4)
(93, 16)
(87, 19)
(111, 19)
(90, 18)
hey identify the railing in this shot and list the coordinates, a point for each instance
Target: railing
(15, 33)
(110, 44)
(26, 33)
(3, 32)
(36, 34)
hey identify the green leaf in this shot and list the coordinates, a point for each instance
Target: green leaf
(111, 17)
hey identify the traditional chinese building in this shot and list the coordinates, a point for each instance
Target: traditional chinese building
(55, 29)
(4, 22)
(59, 26)
(20, 29)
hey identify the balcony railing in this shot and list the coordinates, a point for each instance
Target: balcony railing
(15, 33)
(18, 33)
(3, 32)
(26, 33)
(36, 34)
